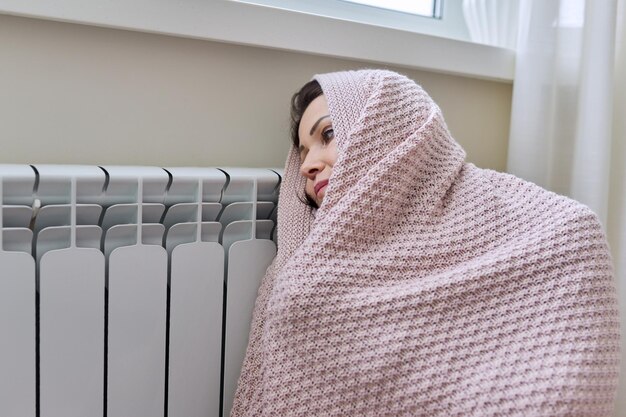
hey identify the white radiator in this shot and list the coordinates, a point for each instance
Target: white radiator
(102, 317)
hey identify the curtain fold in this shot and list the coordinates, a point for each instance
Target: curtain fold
(568, 121)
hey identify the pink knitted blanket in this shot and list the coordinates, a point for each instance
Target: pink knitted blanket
(425, 286)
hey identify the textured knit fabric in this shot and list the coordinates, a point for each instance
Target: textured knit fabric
(425, 286)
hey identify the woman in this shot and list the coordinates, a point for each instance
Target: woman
(422, 285)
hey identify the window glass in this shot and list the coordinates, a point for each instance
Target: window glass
(420, 7)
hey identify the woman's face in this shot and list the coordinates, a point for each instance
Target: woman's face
(318, 150)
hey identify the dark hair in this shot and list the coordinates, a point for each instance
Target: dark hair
(299, 102)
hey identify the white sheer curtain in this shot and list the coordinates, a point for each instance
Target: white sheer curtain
(568, 122)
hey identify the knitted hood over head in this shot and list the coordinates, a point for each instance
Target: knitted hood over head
(425, 286)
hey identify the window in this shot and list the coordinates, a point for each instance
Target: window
(442, 18)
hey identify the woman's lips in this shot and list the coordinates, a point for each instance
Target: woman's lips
(319, 186)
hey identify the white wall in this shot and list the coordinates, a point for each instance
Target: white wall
(79, 94)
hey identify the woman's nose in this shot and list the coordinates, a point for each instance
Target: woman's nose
(311, 166)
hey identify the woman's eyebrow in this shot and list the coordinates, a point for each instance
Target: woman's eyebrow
(316, 123)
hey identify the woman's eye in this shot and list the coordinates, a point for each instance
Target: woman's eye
(328, 135)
